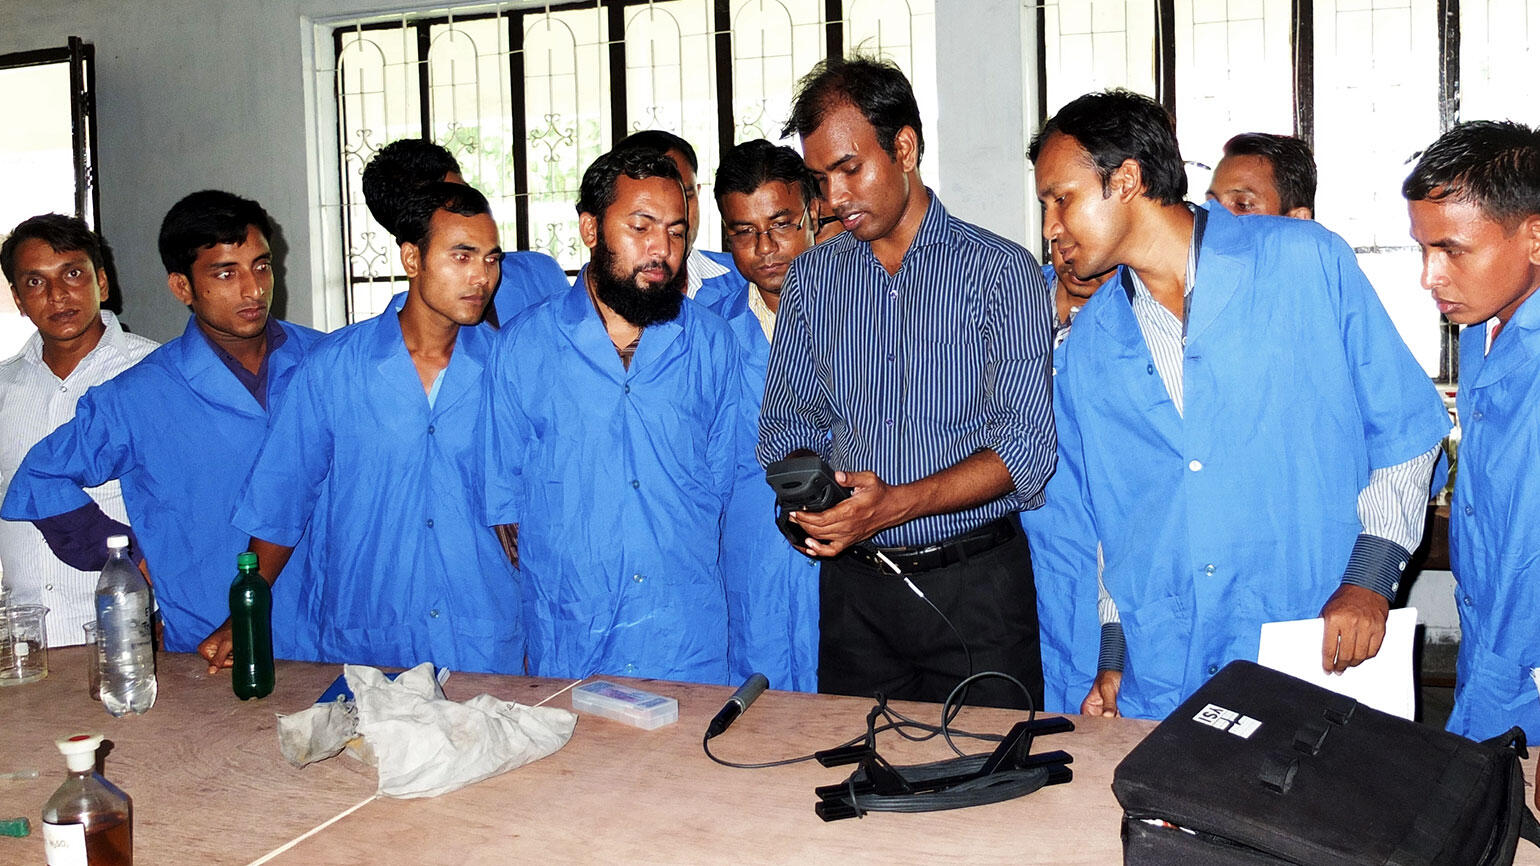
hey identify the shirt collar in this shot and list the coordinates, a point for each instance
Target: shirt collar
(112, 340)
(699, 268)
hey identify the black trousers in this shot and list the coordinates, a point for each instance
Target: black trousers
(876, 635)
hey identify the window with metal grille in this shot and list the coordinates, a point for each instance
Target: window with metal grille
(526, 98)
(1368, 83)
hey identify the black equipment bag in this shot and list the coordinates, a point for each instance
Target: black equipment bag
(1258, 767)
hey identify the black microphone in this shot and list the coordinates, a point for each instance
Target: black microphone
(738, 704)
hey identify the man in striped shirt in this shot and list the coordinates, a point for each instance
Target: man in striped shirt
(54, 266)
(1250, 438)
(911, 352)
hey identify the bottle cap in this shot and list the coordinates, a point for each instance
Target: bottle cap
(80, 751)
(117, 542)
(246, 560)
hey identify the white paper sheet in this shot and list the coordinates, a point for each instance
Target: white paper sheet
(1384, 682)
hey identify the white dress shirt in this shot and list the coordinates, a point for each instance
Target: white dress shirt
(33, 402)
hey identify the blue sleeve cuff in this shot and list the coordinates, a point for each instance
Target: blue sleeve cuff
(1113, 649)
(1377, 564)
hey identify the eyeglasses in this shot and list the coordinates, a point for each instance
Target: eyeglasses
(779, 233)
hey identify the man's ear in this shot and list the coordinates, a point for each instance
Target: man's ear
(588, 229)
(906, 149)
(1126, 182)
(1300, 213)
(101, 285)
(411, 260)
(180, 286)
(1531, 229)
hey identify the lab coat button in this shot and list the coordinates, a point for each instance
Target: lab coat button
(626, 389)
(1149, 368)
(635, 484)
(430, 523)
(1213, 669)
(1475, 416)
(1196, 465)
(638, 578)
(1469, 510)
(430, 429)
(433, 613)
(1209, 569)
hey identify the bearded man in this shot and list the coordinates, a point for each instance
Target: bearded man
(610, 431)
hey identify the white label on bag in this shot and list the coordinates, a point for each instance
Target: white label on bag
(1218, 717)
(65, 844)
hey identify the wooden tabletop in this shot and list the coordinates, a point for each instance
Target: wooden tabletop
(210, 787)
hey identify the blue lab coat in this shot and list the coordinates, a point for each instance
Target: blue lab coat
(528, 278)
(724, 294)
(772, 590)
(1245, 510)
(1494, 529)
(1069, 631)
(400, 569)
(618, 480)
(180, 432)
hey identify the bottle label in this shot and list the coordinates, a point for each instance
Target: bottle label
(65, 844)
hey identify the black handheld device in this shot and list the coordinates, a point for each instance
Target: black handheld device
(802, 484)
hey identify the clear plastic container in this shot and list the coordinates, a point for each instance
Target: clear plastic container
(123, 618)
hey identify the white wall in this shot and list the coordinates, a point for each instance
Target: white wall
(194, 94)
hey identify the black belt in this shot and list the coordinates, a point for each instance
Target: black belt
(954, 550)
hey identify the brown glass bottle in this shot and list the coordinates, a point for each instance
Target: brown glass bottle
(88, 820)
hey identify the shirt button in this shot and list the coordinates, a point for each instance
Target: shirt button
(1196, 465)
(635, 484)
(1213, 669)
(889, 422)
(1209, 569)
(430, 523)
(433, 613)
(430, 429)
(638, 578)
(890, 356)
(49, 587)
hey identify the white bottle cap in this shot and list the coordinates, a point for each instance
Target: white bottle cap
(117, 542)
(80, 750)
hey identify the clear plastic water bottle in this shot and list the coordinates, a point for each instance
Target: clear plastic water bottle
(123, 617)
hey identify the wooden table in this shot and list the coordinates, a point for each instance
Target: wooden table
(210, 786)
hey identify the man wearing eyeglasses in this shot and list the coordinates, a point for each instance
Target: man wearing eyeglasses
(911, 353)
(765, 196)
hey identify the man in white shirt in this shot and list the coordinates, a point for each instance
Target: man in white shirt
(54, 266)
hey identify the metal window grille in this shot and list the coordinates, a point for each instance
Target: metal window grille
(526, 98)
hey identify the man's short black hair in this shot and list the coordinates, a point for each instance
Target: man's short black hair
(748, 166)
(1494, 165)
(63, 234)
(1293, 165)
(599, 180)
(418, 207)
(662, 141)
(206, 218)
(397, 170)
(877, 88)
(1117, 125)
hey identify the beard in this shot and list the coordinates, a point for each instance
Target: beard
(620, 291)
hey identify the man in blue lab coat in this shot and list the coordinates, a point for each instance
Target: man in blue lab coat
(1251, 438)
(372, 452)
(610, 440)
(180, 429)
(765, 195)
(1474, 200)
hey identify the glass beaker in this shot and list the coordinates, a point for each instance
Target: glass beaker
(23, 644)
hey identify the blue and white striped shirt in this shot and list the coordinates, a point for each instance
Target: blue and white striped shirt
(910, 374)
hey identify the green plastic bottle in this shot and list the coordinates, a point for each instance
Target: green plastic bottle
(251, 627)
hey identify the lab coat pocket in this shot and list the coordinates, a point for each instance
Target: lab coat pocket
(1159, 637)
